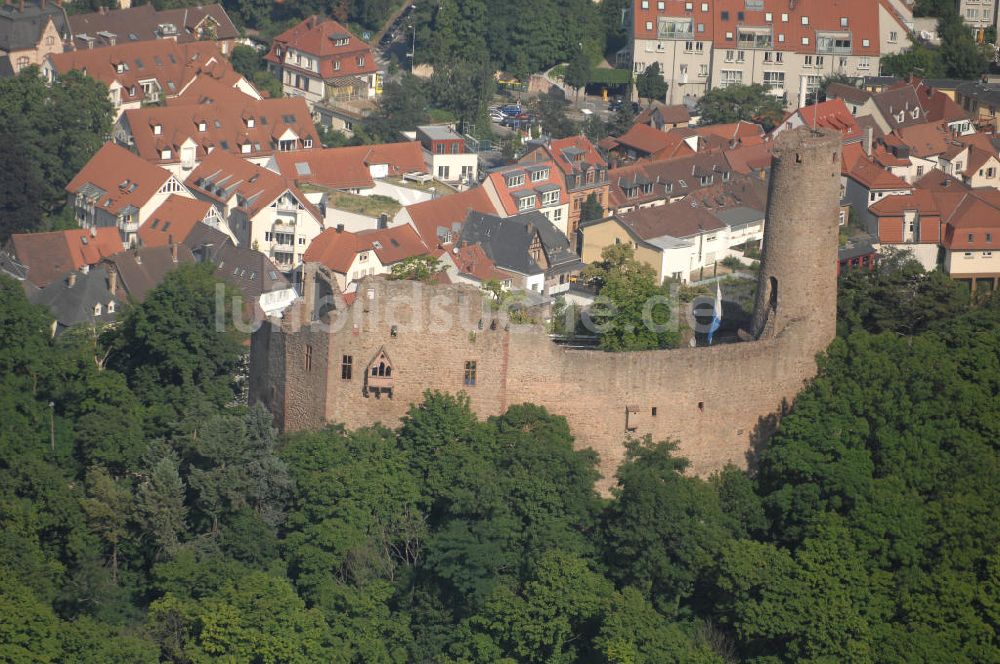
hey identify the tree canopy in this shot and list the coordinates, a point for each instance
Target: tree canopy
(752, 103)
(134, 533)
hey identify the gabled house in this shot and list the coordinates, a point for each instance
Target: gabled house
(118, 189)
(982, 168)
(177, 218)
(188, 23)
(354, 169)
(446, 150)
(85, 297)
(41, 258)
(179, 138)
(147, 72)
(911, 221)
(439, 221)
(969, 242)
(525, 187)
(642, 141)
(866, 184)
(663, 116)
(30, 31)
(264, 211)
(266, 290)
(584, 172)
(319, 59)
(142, 269)
(470, 264)
(353, 256)
(655, 183)
(832, 114)
(528, 247)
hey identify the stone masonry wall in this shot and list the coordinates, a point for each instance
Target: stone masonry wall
(712, 400)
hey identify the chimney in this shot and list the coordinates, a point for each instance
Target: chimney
(112, 280)
(22, 6)
(869, 136)
(173, 252)
(93, 231)
(42, 4)
(340, 228)
(71, 281)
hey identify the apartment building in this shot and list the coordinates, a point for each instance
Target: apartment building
(788, 46)
(979, 15)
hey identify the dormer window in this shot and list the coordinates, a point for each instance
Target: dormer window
(336, 65)
(361, 61)
(515, 180)
(202, 126)
(249, 122)
(111, 307)
(539, 175)
(526, 203)
(97, 309)
(165, 154)
(915, 113)
(245, 148)
(157, 129)
(307, 142)
(120, 68)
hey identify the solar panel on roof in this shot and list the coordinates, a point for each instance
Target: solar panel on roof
(302, 168)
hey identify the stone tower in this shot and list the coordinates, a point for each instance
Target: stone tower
(797, 279)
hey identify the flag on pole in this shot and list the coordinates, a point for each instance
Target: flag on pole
(716, 313)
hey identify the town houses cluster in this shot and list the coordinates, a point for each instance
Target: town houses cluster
(201, 166)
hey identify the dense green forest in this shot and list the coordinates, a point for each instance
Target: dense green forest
(148, 516)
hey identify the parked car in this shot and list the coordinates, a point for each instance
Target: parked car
(497, 116)
(512, 110)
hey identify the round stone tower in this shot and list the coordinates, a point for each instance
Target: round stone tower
(798, 271)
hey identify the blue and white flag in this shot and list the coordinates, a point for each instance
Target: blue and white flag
(716, 313)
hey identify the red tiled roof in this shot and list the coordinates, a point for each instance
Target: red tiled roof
(850, 155)
(972, 217)
(920, 200)
(832, 114)
(747, 158)
(337, 249)
(823, 16)
(978, 159)
(125, 179)
(887, 159)
(173, 221)
(671, 114)
(926, 140)
(498, 179)
(447, 211)
(223, 176)
(683, 175)
(873, 176)
(143, 21)
(226, 127)
(643, 138)
(556, 150)
(732, 131)
(315, 37)
(50, 255)
(174, 66)
(348, 167)
(472, 260)
(679, 220)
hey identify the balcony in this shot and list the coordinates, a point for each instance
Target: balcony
(669, 28)
(754, 40)
(836, 44)
(281, 227)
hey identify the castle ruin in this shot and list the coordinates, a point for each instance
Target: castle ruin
(369, 361)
